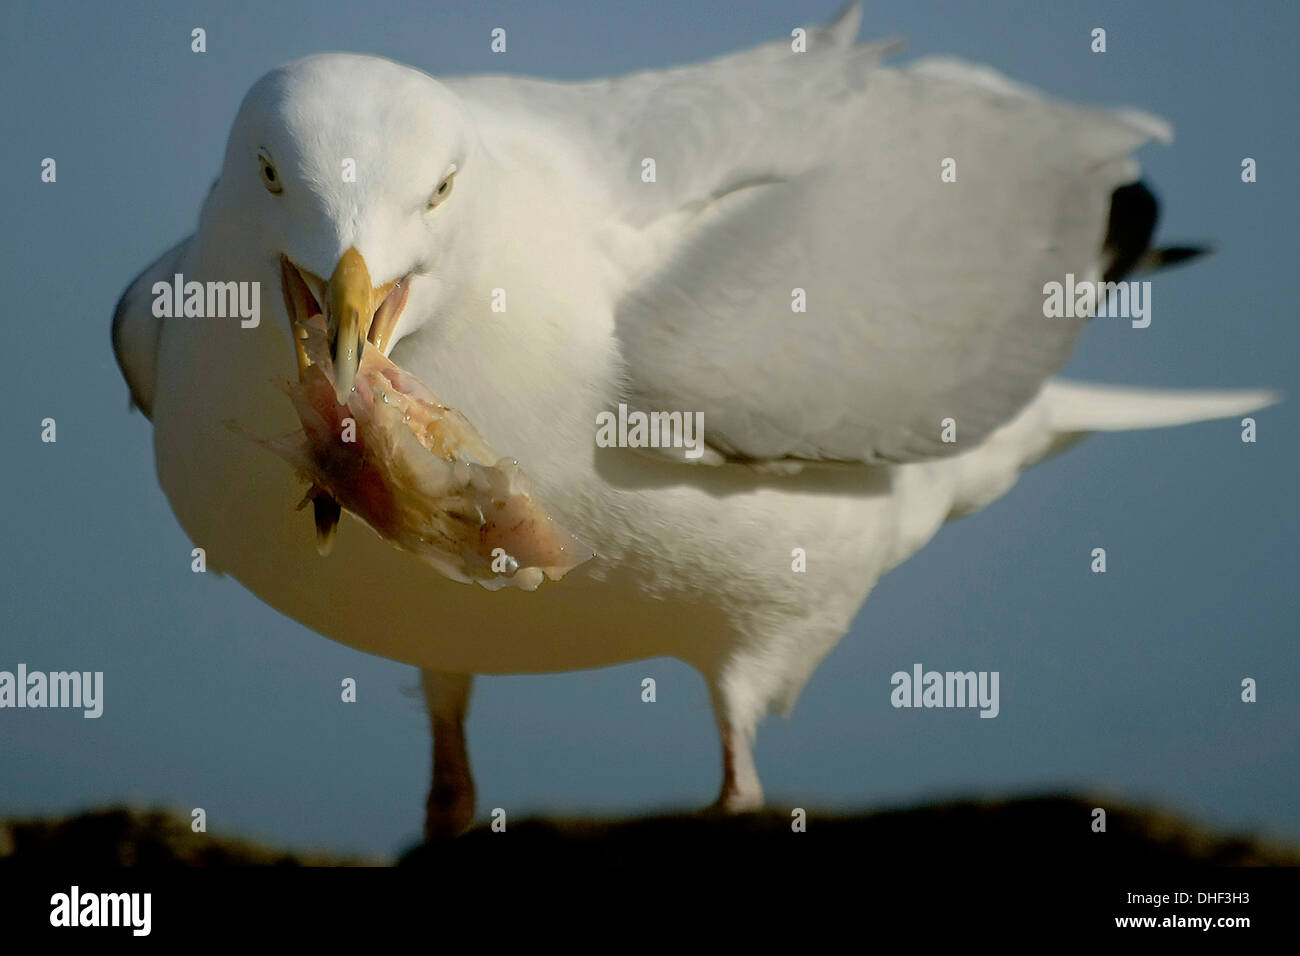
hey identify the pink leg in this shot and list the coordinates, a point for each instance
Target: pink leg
(450, 807)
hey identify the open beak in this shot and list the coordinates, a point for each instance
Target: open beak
(349, 301)
(356, 312)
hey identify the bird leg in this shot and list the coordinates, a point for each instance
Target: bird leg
(450, 807)
(741, 789)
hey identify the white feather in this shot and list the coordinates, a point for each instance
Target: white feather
(776, 171)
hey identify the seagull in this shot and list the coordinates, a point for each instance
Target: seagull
(838, 267)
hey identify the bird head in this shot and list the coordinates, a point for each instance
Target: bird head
(354, 178)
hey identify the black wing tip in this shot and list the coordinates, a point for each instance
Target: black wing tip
(1134, 210)
(1172, 256)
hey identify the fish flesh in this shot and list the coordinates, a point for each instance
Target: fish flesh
(419, 474)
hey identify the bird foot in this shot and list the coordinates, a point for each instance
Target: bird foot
(733, 802)
(449, 812)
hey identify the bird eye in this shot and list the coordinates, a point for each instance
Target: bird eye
(270, 178)
(443, 190)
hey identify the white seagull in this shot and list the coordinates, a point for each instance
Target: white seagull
(773, 239)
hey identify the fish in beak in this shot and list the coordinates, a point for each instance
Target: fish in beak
(417, 472)
(356, 312)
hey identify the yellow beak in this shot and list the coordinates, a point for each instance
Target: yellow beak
(350, 302)
(356, 312)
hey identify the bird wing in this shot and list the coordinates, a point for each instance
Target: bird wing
(782, 176)
(136, 329)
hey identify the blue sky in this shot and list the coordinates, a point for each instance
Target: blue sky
(1125, 683)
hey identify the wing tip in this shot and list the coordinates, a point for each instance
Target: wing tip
(134, 400)
(1147, 124)
(843, 30)
(1166, 257)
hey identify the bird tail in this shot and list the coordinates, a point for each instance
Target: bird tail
(1076, 409)
(1065, 412)
(1090, 407)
